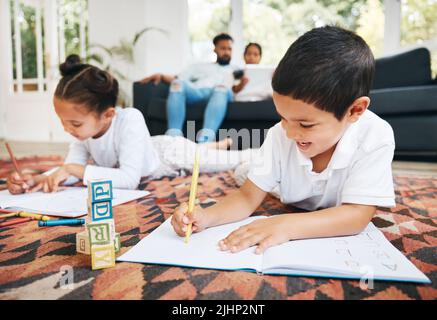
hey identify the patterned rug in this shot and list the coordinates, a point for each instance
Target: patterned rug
(33, 261)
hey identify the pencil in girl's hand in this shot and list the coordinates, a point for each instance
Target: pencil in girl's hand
(14, 162)
(193, 191)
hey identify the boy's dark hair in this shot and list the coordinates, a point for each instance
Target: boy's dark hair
(329, 67)
(220, 37)
(257, 45)
(86, 84)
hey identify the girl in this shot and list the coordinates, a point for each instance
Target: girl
(252, 55)
(114, 143)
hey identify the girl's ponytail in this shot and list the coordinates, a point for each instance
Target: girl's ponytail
(85, 84)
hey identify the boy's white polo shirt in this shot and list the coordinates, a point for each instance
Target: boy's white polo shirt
(359, 171)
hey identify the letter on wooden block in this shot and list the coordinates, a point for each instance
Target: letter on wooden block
(101, 210)
(101, 233)
(117, 242)
(100, 190)
(82, 242)
(102, 256)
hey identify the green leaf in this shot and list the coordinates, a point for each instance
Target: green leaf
(139, 34)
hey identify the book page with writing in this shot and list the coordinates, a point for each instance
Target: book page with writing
(367, 254)
(164, 246)
(70, 202)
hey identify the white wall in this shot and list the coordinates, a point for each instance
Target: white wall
(29, 116)
(112, 20)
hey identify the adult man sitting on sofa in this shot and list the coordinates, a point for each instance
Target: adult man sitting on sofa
(211, 82)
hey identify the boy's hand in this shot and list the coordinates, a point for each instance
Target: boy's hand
(180, 219)
(264, 232)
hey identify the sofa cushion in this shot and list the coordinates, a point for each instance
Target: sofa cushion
(412, 68)
(406, 100)
(244, 111)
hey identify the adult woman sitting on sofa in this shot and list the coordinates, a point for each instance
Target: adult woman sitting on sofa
(259, 88)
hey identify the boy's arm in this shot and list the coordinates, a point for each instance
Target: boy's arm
(347, 219)
(236, 206)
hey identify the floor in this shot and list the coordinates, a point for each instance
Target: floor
(23, 149)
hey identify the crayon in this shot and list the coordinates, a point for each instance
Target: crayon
(64, 222)
(33, 216)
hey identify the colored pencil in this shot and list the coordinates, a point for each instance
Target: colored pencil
(14, 161)
(8, 215)
(15, 221)
(193, 191)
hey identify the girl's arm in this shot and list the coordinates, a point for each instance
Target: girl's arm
(136, 151)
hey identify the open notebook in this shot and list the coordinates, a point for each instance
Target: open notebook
(68, 203)
(368, 254)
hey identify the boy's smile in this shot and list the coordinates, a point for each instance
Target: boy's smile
(315, 131)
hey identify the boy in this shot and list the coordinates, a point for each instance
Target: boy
(328, 155)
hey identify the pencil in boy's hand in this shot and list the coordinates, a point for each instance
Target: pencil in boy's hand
(14, 162)
(193, 191)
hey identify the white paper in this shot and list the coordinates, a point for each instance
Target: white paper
(164, 246)
(259, 86)
(366, 255)
(71, 202)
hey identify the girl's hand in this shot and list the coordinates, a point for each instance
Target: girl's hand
(263, 232)
(16, 185)
(181, 219)
(52, 182)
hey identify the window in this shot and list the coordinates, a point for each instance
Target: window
(275, 24)
(207, 18)
(28, 38)
(419, 25)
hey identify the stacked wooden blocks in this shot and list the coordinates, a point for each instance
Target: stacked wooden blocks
(100, 239)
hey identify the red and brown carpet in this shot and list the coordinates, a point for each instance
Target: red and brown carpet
(33, 260)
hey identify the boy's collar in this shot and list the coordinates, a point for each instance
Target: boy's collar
(345, 149)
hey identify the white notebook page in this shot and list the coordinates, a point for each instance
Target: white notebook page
(70, 202)
(164, 246)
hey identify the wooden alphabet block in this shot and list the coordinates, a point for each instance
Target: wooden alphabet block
(82, 242)
(101, 233)
(102, 256)
(117, 242)
(100, 190)
(101, 210)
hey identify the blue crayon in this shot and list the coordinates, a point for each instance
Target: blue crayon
(65, 222)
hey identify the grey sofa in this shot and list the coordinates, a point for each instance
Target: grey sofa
(403, 93)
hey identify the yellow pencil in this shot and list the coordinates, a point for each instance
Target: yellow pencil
(34, 216)
(193, 191)
(8, 215)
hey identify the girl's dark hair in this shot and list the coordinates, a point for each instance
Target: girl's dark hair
(329, 67)
(257, 45)
(86, 84)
